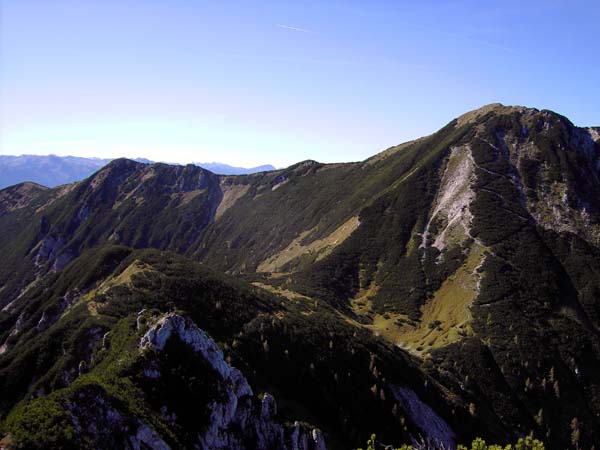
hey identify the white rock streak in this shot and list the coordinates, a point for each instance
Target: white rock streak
(235, 417)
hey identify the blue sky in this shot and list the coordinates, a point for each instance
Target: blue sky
(247, 83)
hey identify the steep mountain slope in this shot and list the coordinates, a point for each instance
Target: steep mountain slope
(474, 249)
(126, 339)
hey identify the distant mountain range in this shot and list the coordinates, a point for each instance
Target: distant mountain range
(55, 170)
(224, 169)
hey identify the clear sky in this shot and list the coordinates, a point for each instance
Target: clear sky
(254, 82)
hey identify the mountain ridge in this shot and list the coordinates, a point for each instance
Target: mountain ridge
(471, 252)
(52, 170)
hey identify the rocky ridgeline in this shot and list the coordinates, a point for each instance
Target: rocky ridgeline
(238, 417)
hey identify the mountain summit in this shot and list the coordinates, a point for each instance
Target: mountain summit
(447, 288)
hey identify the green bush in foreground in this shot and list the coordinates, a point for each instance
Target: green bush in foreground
(529, 443)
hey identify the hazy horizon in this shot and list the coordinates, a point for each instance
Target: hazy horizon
(274, 82)
(21, 155)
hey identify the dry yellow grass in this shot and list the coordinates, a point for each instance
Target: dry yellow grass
(231, 194)
(123, 278)
(283, 292)
(93, 308)
(322, 247)
(450, 306)
(187, 197)
(382, 325)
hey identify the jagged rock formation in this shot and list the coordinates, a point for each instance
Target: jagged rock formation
(230, 416)
(432, 426)
(236, 420)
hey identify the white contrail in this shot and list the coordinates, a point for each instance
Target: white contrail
(301, 30)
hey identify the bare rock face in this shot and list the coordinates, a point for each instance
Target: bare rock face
(108, 425)
(434, 430)
(9, 341)
(175, 325)
(230, 418)
(53, 249)
(236, 417)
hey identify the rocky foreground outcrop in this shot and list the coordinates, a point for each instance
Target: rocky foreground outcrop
(211, 406)
(237, 418)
